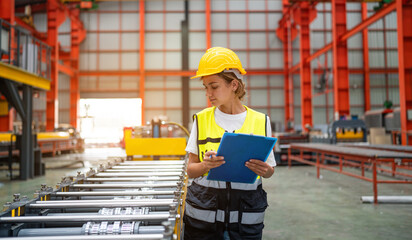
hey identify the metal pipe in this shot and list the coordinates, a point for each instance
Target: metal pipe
(125, 185)
(134, 179)
(72, 214)
(92, 217)
(64, 231)
(151, 229)
(147, 167)
(153, 211)
(114, 193)
(70, 231)
(170, 201)
(152, 171)
(137, 174)
(163, 162)
(387, 199)
(94, 237)
(99, 205)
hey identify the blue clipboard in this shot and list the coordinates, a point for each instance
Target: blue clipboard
(238, 149)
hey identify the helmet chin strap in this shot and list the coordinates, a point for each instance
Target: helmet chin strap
(236, 72)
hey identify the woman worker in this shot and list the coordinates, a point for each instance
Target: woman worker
(218, 209)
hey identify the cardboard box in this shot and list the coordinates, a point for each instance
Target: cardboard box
(376, 133)
(383, 139)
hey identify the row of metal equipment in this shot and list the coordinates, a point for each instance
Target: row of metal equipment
(119, 200)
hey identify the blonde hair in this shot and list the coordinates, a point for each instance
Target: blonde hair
(229, 77)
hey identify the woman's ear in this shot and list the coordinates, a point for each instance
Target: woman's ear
(235, 84)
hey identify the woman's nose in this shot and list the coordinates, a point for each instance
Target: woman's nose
(207, 93)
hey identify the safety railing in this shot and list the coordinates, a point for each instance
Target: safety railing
(19, 48)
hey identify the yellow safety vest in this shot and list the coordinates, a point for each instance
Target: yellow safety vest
(209, 133)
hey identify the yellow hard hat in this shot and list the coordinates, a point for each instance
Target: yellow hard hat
(216, 60)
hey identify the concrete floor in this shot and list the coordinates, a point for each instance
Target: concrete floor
(300, 205)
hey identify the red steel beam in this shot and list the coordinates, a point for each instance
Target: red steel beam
(404, 19)
(390, 7)
(366, 75)
(364, 24)
(208, 25)
(7, 13)
(340, 60)
(78, 34)
(287, 60)
(305, 70)
(55, 17)
(142, 57)
(65, 69)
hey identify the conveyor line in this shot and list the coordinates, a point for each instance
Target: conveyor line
(126, 200)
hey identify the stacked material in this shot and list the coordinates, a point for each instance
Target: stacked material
(122, 200)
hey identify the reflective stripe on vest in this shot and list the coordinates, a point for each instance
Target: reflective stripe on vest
(199, 214)
(222, 185)
(219, 215)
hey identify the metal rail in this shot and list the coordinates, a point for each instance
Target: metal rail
(127, 204)
(364, 159)
(134, 179)
(91, 217)
(125, 185)
(95, 237)
(114, 193)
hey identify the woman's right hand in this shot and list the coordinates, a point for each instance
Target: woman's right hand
(212, 161)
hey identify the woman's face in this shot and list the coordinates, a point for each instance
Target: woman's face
(218, 91)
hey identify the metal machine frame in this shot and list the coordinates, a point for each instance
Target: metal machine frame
(122, 200)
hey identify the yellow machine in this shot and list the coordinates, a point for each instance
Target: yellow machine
(158, 141)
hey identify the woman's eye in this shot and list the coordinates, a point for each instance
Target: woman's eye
(214, 87)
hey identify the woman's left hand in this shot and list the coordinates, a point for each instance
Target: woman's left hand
(260, 168)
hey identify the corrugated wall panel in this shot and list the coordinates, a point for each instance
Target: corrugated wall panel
(39, 110)
(129, 6)
(130, 82)
(65, 39)
(88, 82)
(64, 99)
(319, 115)
(130, 61)
(108, 61)
(109, 82)
(88, 61)
(40, 21)
(276, 98)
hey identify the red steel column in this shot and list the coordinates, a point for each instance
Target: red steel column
(77, 35)
(305, 71)
(365, 45)
(208, 28)
(288, 84)
(404, 13)
(340, 60)
(55, 17)
(142, 58)
(287, 60)
(7, 13)
(208, 34)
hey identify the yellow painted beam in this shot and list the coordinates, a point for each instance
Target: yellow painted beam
(40, 136)
(16, 74)
(5, 137)
(53, 135)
